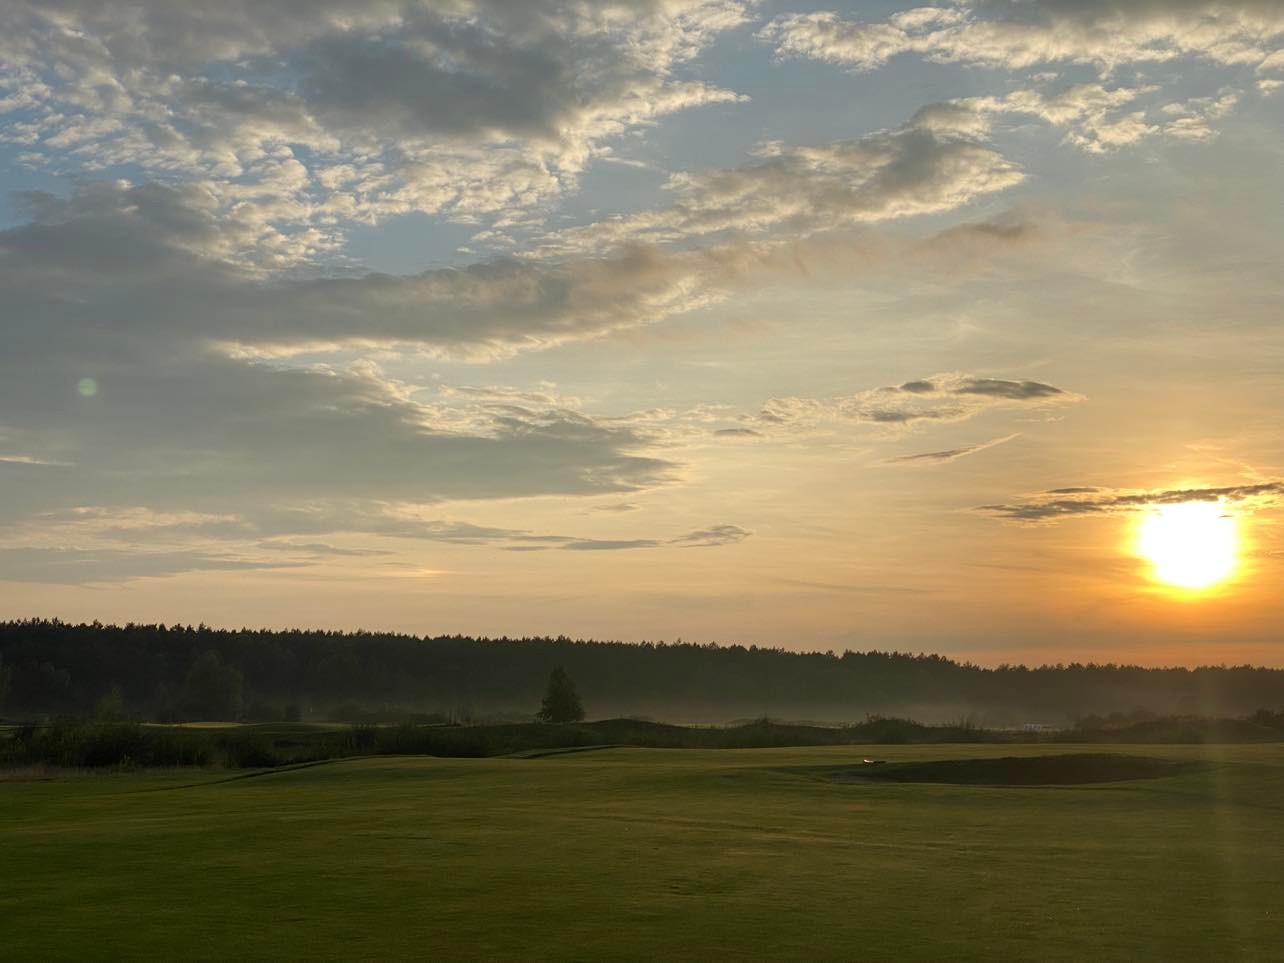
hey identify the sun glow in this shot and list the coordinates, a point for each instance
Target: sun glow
(1190, 545)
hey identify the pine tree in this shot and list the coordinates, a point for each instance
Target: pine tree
(561, 701)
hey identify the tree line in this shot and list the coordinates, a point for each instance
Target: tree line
(50, 669)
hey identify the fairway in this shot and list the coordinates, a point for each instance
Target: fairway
(647, 854)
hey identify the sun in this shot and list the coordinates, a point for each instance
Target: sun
(1190, 545)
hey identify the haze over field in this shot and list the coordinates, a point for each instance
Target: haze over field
(829, 325)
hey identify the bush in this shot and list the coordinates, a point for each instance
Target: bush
(247, 749)
(102, 744)
(1265, 717)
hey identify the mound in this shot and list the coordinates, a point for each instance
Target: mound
(1063, 770)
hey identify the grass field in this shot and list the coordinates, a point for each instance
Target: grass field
(647, 854)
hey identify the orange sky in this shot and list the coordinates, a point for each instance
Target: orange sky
(710, 319)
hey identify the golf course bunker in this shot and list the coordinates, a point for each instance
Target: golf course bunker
(1075, 769)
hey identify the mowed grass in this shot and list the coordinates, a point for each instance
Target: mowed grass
(647, 854)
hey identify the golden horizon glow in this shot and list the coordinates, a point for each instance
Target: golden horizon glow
(1190, 545)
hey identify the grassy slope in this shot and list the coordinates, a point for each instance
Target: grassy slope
(631, 853)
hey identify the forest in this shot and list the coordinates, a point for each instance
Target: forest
(53, 669)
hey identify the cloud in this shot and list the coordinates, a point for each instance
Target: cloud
(161, 264)
(82, 566)
(296, 117)
(598, 545)
(30, 460)
(208, 433)
(117, 269)
(1192, 120)
(524, 541)
(717, 535)
(1094, 114)
(919, 168)
(1016, 34)
(951, 454)
(1000, 388)
(148, 263)
(92, 545)
(1074, 502)
(941, 398)
(1098, 118)
(318, 550)
(210, 398)
(204, 400)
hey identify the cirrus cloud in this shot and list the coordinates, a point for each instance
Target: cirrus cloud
(948, 455)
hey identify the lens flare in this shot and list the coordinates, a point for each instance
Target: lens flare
(1190, 545)
(87, 387)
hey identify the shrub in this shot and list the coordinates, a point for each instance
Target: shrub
(247, 749)
(103, 744)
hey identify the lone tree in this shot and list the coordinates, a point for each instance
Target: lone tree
(561, 701)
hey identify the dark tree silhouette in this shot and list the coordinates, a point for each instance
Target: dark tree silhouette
(213, 689)
(167, 673)
(561, 701)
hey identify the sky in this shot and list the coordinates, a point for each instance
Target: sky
(812, 325)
